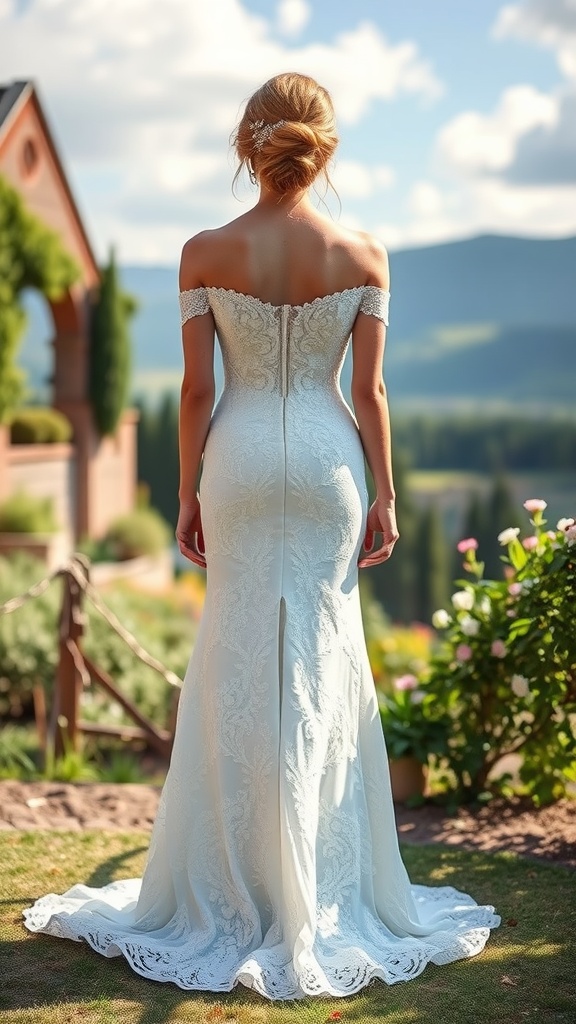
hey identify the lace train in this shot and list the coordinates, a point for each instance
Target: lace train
(336, 965)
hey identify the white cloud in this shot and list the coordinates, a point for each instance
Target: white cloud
(549, 23)
(474, 142)
(426, 201)
(355, 180)
(293, 16)
(146, 95)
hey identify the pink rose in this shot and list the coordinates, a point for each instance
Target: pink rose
(498, 649)
(407, 682)
(515, 589)
(530, 543)
(469, 544)
(463, 652)
(535, 505)
(571, 533)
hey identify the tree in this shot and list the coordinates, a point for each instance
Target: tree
(31, 256)
(431, 564)
(110, 355)
(158, 458)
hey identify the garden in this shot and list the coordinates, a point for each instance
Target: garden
(478, 709)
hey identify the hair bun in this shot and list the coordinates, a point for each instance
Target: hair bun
(287, 133)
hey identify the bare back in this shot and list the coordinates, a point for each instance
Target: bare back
(285, 256)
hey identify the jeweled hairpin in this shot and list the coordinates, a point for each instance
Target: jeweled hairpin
(261, 131)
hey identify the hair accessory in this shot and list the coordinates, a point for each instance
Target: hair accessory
(261, 131)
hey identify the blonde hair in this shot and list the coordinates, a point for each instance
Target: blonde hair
(296, 151)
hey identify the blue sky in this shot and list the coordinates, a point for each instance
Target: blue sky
(455, 117)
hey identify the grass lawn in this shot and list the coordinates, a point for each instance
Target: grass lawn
(526, 973)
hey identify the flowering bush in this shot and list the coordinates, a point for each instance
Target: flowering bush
(505, 670)
(412, 723)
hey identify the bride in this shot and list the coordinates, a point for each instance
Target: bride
(274, 860)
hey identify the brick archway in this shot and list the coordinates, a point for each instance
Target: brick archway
(104, 468)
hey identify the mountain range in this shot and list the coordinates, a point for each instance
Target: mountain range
(487, 322)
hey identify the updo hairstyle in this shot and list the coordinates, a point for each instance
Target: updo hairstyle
(290, 157)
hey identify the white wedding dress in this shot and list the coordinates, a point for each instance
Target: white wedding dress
(274, 859)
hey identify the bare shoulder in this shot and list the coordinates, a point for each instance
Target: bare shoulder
(375, 260)
(366, 255)
(206, 254)
(193, 259)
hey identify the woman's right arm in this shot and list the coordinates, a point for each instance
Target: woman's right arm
(196, 404)
(372, 414)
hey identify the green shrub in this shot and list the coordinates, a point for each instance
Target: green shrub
(25, 513)
(39, 425)
(506, 668)
(142, 532)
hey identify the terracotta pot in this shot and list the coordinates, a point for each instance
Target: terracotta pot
(408, 778)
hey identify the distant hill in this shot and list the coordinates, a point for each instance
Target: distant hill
(487, 319)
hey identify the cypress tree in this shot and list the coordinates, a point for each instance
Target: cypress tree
(110, 356)
(431, 568)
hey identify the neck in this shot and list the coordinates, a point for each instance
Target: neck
(284, 202)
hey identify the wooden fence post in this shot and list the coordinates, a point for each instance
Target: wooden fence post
(69, 680)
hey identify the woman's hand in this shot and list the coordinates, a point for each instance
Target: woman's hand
(189, 532)
(381, 518)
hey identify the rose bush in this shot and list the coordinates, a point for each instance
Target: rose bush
(505, 669)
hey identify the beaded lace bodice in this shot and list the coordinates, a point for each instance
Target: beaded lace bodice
(281, 347)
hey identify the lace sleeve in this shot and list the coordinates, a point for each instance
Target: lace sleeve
(193, 302)
(375, 302)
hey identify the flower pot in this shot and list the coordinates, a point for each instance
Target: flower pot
(408, 778)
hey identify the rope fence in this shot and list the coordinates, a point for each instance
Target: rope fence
(76, 671)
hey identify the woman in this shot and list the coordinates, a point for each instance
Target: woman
(274, 860)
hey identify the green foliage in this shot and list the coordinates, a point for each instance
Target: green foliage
(31, 256)
(38, 425)
(72, 766)
(110, 356)
(413, 724)
(26, 513)
(506, 669)
(141, 532)
(15, 761)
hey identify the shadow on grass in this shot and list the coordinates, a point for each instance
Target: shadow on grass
(527, 967)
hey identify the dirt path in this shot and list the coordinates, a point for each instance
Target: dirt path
(548, 833)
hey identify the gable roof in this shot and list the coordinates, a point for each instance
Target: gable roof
(10, 97)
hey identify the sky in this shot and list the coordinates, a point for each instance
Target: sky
(456, 117)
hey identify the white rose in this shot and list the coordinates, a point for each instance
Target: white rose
(485, 605)
(520, 686)
(463, 600)
(441, 619)
(563, 524)
(507, 536)
(469, 625)
(571, 534)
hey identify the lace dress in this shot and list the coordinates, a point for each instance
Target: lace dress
(274, 859)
